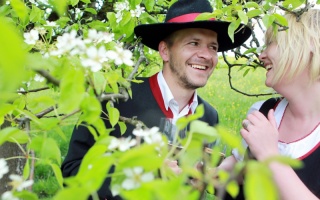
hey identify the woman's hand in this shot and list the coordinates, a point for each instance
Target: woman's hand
(261, 134)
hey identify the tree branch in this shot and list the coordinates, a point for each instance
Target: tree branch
(49, 78)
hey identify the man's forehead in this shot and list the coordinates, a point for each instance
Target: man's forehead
(196, 33)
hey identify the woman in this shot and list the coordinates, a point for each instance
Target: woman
(292, 61)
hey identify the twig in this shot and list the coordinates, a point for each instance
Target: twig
(34, 90)
(137, 64)
(49, 78)
(46, 111)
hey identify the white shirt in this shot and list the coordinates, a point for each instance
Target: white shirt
(171, 103)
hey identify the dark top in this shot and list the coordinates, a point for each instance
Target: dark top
(142, 105)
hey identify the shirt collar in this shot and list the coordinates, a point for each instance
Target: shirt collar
(167, 95)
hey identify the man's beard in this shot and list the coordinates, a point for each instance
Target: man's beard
(183, 79)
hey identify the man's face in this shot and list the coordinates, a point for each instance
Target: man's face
(192, 57)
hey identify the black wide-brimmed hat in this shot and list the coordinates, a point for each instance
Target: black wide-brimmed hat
(181, 15)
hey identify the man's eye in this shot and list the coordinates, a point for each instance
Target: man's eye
(214, 47)
(194, 43)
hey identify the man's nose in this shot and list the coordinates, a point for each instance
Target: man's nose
(205, 53)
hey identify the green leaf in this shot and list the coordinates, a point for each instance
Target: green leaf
(48, 123)
(174, 189)
(46, 148)
(149, 4)
(294, 163)
(91, 10)
(280, 19)
(292, 4)
(184, 121)
(72, 193)
(201, 131)
(36, 14)
(26, 195)
(250, 50)
(144, 155)
(123, 127)
(268, 20)
(26, 169)
(20, 9)
(91, 109)
(94, 168)
(251, 5)
(233, 188)
(60, 6)
(86, 1)
(6, 109)
(72, 90)
(5, 10)
(232, 28)
(204, 16)
(133, 3)
(259, 182)
(254, 13)
(229, 138)
(243, 16)
(73, 2)
(114, 114)
(98, 25)
(12, 134)
(99, 81)
(12, 59)
(62, 21)
(57, 172)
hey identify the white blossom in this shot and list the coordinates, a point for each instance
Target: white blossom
(8, 196)
(78, 13)
(95, 58)
(135, 177)
(150, 136)
(115, 189)
(3, 167)
(107, 37)
(118, 17)
(121, 6)
(137, 12)
(96, 37)
(31, 37)
(69, 42)
(18, 183)
(121, 56)
(51, 24)
(122, 144)
(41, 30)
(38, 78)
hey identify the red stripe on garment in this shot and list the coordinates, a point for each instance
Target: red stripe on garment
(310, 152)
(158, 96)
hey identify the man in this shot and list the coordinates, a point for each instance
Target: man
(189, 50)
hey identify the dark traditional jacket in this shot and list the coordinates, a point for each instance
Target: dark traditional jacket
(142, 105)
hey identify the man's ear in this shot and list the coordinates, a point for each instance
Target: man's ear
(163, 51)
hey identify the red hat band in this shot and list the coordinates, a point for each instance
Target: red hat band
(187, 18)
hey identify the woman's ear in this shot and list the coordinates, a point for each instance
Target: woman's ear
(164, 51)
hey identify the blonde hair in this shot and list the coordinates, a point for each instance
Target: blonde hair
(299, 46)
